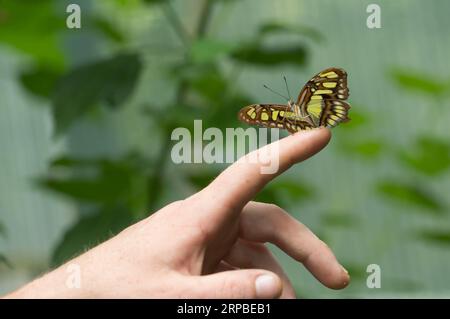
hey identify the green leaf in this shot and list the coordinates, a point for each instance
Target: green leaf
(5, 261)
(357, 119)
(419, 83)
(33, 27)
(284, 192)
(210, 85)
(70, 162)
(268, 195)
(89, 231)
(209, 50)
(100, 181)
(108, 29)
(40, 80)
(435, 236)
(206, 78)
(259, 55)
(294, 190)
(367, 149)
(2, 230)
(96, 190)
(413, 195)
(223, 114)
(201, 179)
(111, 80)
(276, 27)
(430, 156)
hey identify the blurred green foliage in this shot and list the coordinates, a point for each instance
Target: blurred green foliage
(411, 194)
(3, 259)
(40, 80)
(420, 83)
(101, 182)
(2, 230)
(429, 155)
(18, 28)
(435, 236)
(110, 81)
(113, 192)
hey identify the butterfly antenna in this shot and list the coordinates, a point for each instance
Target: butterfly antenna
(287, 88)
(266, 87)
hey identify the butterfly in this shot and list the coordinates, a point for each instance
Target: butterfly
(321, 102)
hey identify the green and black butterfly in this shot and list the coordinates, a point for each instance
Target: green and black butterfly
(321, 102)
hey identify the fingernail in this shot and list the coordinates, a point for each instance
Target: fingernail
(267, 286)
(346, 281)
(345, 270)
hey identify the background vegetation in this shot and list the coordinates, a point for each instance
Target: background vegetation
(86, 117)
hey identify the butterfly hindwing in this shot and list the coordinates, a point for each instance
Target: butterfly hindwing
(272, 115)
(334, 112)
(296, 125)
(267, 115)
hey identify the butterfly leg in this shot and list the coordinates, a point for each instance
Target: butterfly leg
(298, 113)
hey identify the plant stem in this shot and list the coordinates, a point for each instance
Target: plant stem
(176, 23)
(155, 182)
(205, 17)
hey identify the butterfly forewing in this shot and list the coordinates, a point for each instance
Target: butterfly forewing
(322, 98)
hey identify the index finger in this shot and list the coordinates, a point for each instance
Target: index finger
(240, 182)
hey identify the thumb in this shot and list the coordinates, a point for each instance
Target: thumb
(248, 283)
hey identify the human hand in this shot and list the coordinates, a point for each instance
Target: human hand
(210, 245)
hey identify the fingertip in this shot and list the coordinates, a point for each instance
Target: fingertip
(323, 265)
(325, 133)
(340, 280)
(268, 285)
(346, 277)
(341, 284)
(321, 134)
(308, 143)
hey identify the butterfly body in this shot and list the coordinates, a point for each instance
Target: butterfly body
(321, 102)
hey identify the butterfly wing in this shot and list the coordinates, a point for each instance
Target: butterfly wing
(323, 98)
(273, 116)
(266, 115)
(296, 125)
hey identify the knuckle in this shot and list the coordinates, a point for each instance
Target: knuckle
(260, 249)
(323, 245)
(199, 233)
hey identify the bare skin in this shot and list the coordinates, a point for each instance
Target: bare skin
(210, 245)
